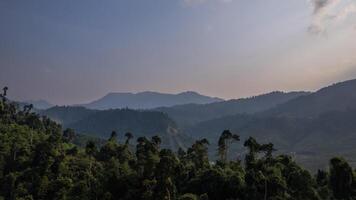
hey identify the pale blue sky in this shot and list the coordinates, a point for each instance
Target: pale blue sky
(70, 52)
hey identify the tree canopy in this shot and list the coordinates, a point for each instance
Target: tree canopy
(39, 161)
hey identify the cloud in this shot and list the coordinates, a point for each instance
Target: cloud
(348, 10)
(320, 4)
(329, 12)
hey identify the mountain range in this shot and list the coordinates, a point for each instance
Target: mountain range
(100, 123)
(189, 114)
(148, 100)
(310, 126)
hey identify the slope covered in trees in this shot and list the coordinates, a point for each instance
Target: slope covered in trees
(100, 123)
(190, 114)
(337, 97)
(39, 161)
(311, 127)
(66, 115)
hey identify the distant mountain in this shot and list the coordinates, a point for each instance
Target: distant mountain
(100, 123)
(337, 97)
(187, 115)
(39, 104)
(310, 140)
(66, 115)
(310, 127)
(148, 100)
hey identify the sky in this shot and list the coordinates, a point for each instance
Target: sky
(70, 52)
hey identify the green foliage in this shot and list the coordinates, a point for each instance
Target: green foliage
(39, 161)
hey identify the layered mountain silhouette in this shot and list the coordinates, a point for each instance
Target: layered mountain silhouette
(310, 127)
(337, 97)
(189, 114)
(100, 123)
(148, 100)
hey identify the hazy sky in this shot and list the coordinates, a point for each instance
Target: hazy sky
(73, 51)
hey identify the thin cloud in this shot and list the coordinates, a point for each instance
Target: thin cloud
(320, 4)
(329, 12)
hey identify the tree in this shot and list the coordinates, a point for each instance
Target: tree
(5, 91)
(225, 139)
(68, 134)
(128, 136)
(198, 154)
(268, 149)
(341, 178)
(91, 149)
(156, 140)
(253, 148)
(113, 136)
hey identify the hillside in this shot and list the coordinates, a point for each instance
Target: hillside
(148, 100)
(337, 97)
(101, 123)
(67, 114)
(310, 127)
(310, 140)
(38, 160)
(187, 115)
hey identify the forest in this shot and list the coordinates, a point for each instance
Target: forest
(38, 160)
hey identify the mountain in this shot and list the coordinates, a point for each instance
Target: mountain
(310, 127)
(337, 97)
(187, 115)
(148, 100)
(66, 115)
(100, 123)
(39, 104)
(309, 140)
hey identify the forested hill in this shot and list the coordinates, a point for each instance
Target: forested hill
(100, 123)
(66, 115)
(39, 161)
(187, 115)
(337, 97)
(311, 127)
(148, 100)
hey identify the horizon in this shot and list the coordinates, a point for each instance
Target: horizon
(71, 52)
(177, 93)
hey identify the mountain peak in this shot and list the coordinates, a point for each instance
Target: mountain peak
(149, 100)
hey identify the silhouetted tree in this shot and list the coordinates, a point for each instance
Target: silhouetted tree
(225, 139)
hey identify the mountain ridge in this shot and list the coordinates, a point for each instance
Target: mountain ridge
(189, 114)
(147, 100)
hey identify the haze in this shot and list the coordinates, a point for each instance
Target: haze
(71, 52)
